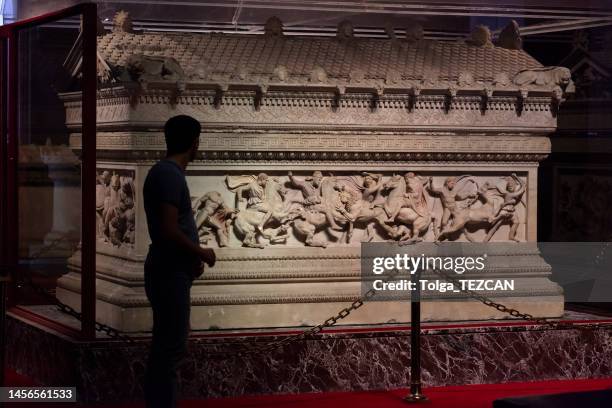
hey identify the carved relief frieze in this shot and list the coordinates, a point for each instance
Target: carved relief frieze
(324, 209)
(115, 207)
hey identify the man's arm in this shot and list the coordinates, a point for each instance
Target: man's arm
(296, 182)
(171, 233)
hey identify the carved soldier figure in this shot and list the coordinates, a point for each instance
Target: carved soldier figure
(114, 187)
(372, 184)
(120, 223)
(415, 192)
(407, 206)
(350, 208)
(256, 191)
(102, 193)
(310, 187)
(211, 212)
(447, 196)
(129, 215)
(112, 201)
(507, 211)
(119, 217)
(265, 195)
(311, 190)
(347, 206)
(488, 213)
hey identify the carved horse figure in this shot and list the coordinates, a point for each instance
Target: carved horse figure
(350, 209)
(250, 223)
(347, 208)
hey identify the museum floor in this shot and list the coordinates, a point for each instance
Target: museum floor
(469, 396)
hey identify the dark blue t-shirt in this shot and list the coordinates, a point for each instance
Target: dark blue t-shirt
(166, 183)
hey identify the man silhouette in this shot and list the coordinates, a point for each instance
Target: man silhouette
(174, 260)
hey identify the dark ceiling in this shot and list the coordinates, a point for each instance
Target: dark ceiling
(441, 19)
(548, 28)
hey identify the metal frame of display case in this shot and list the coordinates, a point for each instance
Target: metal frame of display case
(9, 205)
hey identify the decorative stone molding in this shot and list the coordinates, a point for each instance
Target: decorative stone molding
(327, 146)
(265, 158)
(275, 272)
(308, 109)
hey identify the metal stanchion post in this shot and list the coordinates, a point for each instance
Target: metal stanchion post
(415, 343)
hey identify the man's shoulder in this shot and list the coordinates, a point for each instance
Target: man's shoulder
(164, 168)
(163, 175)
(166, 165)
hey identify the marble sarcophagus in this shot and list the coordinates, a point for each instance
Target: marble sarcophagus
(309, 147)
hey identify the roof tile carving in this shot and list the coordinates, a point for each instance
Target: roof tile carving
(223, 55)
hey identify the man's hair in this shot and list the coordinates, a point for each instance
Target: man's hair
(180, 133)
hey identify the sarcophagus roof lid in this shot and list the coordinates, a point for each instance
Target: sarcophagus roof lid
(204, 56)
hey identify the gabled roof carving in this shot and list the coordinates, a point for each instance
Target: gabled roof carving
(224, 54)
(342, 62)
